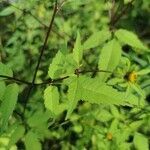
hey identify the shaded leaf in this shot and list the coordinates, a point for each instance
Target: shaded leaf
(7, 11)
(5, 70)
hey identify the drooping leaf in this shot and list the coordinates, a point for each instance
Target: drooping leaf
(5, 70)
(96, 39)
(131, 39)
(77, 50)
(32, 142)
(51, 99)
(109, 58)
(74, 95)
(8, 103)
(140, 142)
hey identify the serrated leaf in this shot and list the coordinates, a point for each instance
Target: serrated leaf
(74, 95)
(5, 70)
(109, 58)
(140, 142)
(62, 65)
(95, 91)
(56, 67)
(51, 99)
(32, 142)
(34, 121)
(77, 50)
(8, 104)
(130, 38)
(96, 39)
(16, 135)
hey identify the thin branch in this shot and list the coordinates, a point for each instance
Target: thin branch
(52, 81)
(41, 54)
(40, 22)
(123, 12)
(15, 79)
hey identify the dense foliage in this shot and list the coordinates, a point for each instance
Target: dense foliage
(74, 74)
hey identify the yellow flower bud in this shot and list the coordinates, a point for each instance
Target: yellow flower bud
(109, 136)
(132, 76)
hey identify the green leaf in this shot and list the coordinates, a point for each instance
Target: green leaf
(130, 38)
(109, 58)
(56, 67)
(34, 121)
(140, 142)
(2, 89)
(98, 92)
(32, 142)
(51, 99)
(144, 71)
(96, 39)
(7, 11)
(5, 70)
(74, 95)
(8, 104)
(62, 65)
(77, 50)
(16, 135)
(138, 89)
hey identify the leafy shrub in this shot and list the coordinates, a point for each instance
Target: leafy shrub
(74, 75)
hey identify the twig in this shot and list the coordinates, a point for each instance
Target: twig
(15, 79)
(116, 17)
(39, 21)
(40, 56)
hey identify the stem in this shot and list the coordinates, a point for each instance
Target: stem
(40, 56)
(15, 79)
(115, 18)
